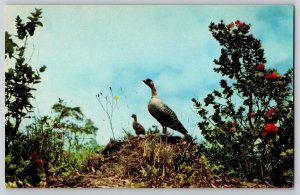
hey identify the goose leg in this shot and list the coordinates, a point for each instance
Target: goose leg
(164, 130)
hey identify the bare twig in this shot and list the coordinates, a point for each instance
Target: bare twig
(108, 108)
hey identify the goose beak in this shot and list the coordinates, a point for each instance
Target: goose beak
(145, 81)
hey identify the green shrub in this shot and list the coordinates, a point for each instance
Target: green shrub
(248, 123)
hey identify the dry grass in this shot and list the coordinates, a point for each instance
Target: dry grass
(150, 161)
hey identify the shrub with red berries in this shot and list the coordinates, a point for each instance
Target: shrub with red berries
(36, 151)
(259, 99)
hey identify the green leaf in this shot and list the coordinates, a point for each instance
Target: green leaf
(10, 45)
(39, 24)
(42, 69)
(30, 18)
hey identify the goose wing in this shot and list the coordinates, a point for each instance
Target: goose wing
(167, 117)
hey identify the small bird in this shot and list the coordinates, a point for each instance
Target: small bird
(139, 129)
(162, 113)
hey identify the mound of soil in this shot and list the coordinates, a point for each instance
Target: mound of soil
(152, 161)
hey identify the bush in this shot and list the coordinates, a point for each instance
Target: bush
(248, 123)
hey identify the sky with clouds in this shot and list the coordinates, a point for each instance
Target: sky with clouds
(88, 49)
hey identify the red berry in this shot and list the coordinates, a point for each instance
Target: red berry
(239, 24)
(271, 76)
(229, 26)
(259, 66)
(39, 162)
(264, 134)
(251, 115)
(270, 112)
(34, 154)
(271, 128)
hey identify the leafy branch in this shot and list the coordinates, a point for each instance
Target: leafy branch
(20, 78)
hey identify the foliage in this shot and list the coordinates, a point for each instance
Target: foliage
(50, 146)
(54, 145)
(248, 123)
(153, 130)
(20, 77)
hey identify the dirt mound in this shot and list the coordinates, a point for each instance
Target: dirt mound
(150, 161)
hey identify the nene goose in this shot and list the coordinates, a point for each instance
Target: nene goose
(162, 113)
(138, 128)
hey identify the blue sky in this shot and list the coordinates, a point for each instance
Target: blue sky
(88, 49)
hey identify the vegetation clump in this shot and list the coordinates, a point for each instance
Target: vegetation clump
(152, 161)
(248, 123)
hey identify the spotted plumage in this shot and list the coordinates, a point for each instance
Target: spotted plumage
(138, 128)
